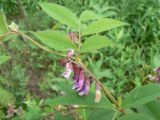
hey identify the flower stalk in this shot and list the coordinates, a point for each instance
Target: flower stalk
(79, 62)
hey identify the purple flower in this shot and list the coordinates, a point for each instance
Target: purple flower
(70, 53)
(68, 70)
(62, 62)
(157, 70)
(86, 86)
(157, 78)
(11, 111)
(78, 85)
(76, 72)
(97, 93)
(82, 82)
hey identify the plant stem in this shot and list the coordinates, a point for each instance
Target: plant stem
(39, 45)
(33, 41)
(79, 40)
(7, 33)
(104, 88)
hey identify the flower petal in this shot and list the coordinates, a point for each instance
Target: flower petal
(68, 70)
(98, 93)
(76, 71)
(70, 52)
(81, 79)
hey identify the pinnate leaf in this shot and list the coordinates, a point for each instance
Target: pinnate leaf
(152, 108)
(136, 117)
(55, 39)
(88, 15)
(142, 95)
(60, 13)
(102, 25)
(3, 24)
(74, 99)
(95, 42)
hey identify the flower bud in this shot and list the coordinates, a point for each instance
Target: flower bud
(157, 78)
(86, 86)
(11, 111)
(81, 79)
(70, 52)
(68, 70)
(76, 70)
(62, 62)
(97, 93)
(73, 37)
(151, 77)
(79, 83)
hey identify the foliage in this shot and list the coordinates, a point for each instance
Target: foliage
(120, 58)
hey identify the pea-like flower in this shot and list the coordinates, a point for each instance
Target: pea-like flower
(81, 81)
(85, 88)
(157, 70)
(11, 111)
(97, 93)
(68, 70)
(156, 76)
(70, 53)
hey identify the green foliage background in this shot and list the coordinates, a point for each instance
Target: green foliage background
(31, 74)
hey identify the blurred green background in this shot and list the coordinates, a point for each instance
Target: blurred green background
(32, 73)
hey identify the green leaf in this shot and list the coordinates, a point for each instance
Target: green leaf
(60, 13)
(55, 39)
(88, 15)
(3, 24)
(136, 117)
(100, 114)
(74, 99)
(102, 25)
(142, 95)
(60, 116)
(33, 113)
(5, 97)
(152, 108)
(95, 42)
(4, 58)
(156, 60)
(71, 97)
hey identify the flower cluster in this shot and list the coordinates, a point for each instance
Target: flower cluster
(11, 111)
(81, 81)
(156, 76)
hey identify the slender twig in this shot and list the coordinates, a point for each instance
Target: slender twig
(33, 41)
(39, 45)
(79, 35)
(7, 33)
(104, 88)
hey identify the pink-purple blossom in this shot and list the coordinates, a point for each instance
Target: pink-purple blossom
(156, 75)
(81, 80)
(97, 93)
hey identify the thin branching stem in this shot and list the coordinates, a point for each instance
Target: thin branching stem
(79, 37)
(104, 88)
(33, 41)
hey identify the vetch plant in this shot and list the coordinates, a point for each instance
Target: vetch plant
(76, 37)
